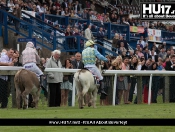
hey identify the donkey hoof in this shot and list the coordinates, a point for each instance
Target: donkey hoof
(24, 107)
(89, 104)
(32, 104)
(81, 107)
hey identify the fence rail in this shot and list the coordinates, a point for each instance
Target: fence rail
(115, 73)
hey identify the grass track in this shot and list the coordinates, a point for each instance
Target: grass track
(158, 110)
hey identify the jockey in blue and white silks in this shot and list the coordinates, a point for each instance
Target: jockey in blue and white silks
(89, 55)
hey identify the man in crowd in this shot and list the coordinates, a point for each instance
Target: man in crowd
(77, 63)
(88, 33)
(5, 60)
(17, 13)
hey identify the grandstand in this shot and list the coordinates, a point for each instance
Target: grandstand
(49, 30)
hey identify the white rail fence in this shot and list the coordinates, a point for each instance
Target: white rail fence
(115, 73)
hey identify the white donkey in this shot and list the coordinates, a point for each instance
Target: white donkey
(84, 82)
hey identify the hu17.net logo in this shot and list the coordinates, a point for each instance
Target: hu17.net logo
(157, 11)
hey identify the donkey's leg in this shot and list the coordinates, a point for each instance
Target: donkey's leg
(18, 97)
(24, 94)
(94, 97)
(90, 99)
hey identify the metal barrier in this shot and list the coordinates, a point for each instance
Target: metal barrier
(115, 73)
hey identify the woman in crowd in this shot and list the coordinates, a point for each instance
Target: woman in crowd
(155, 82)
(117, 65)
(66, 85)
(134, 65)
(126, 80)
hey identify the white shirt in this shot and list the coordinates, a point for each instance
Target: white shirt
(142, 42)
(10, 5)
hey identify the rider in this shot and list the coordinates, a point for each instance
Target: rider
(29, 59)
(89, 55)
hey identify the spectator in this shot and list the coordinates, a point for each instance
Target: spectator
(93, 6)
(134, 65)
(88, 33)
(5, 60)
(66, 85)
(146, 54)
(77, 63)
(64, 4)
(153, 56)
(155, 82)
(124, 41)
(100, 34)
(117, 65)
(162, 53)
(54, 79)
(17, 13)
(115, 41)
(76, 6)
(53, 11)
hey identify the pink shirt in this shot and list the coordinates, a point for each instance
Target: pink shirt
(30, 55)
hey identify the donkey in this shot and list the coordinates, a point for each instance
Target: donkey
(27, 82)
(84, 82)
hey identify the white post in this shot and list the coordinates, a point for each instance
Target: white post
(73, 93)
(114, 89)
(150, 84)
(17, 47)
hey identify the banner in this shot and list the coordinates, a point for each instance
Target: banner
(135, 29)
(154, 35)
(87, 122)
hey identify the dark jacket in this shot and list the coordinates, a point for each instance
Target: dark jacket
(74, 63)
(100, 35)
(168, 66)
(147, 55)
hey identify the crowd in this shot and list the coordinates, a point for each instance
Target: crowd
(143, 57)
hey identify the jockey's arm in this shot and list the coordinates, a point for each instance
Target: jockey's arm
(37, 57)
(99, 56)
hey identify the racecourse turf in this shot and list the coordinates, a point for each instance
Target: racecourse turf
(159, 110)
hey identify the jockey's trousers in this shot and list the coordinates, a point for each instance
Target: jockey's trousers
(95, 71)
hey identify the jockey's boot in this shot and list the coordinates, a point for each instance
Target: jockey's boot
(42, 86)
(102, 87)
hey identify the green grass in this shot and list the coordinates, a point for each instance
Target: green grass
(159, 110)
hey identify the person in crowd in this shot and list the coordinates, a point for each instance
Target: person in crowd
(66, 85)
(170, 66)
(155, 82)
(89, 55)
(122, 48)
(117, 65)
(145, 79)
(54, 80)
(17, 13)
(16, 57)
(141, 41)
(124, 41)
(126, 80)
(5, 60)
(146, 54)
(100, 34)
(134, 65)
(77, 63)
(162, 53)
(88, 33)
(115, 41)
